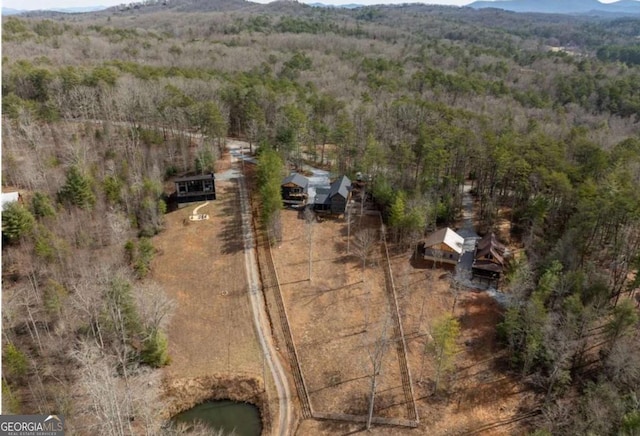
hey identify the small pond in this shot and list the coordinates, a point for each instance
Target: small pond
(243, 418)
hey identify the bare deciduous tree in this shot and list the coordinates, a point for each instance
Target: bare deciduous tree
(376, 351)
(154, 307)
(310, 219)
(108, 409)
(350, 219)
(364, 242)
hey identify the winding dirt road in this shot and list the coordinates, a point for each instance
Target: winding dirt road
(257, 304)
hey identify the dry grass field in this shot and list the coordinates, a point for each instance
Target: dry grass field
(201, 266)
(212, 339)
(477, 397)
(328, 318)
(339, 317)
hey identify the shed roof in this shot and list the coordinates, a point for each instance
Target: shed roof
(446, 236)
(8, 197)
(340, 186)
(296, 179)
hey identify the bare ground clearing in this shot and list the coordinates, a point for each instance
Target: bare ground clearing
(338, 317)
(479, 397)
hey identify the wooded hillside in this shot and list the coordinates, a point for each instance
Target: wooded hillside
(541, 113)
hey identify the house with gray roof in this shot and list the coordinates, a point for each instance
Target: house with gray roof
(333, 200)
(294, 189)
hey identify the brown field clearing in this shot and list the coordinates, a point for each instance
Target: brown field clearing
(212, 341)
(336, 318)
(339, 317)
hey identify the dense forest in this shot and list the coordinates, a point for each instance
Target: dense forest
(100, 110)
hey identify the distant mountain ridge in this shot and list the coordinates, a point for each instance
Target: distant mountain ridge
(538, 6)
(11, 11)
(561, 6)
(76, 10)
(346, 6)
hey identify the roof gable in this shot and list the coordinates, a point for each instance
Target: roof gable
(296, 179)
(490, 249)
(490, 240)
(340, 186)
(446, 236)
(490, 254)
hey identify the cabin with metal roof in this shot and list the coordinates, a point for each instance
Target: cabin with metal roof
(294, 189)
(335, 199)
(444, 245)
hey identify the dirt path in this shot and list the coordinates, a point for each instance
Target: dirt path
(259, 311)
(469, 234)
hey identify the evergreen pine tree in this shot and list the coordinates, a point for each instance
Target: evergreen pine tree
(77, 190)
(41, 205)
(155, 351)
(16, 221)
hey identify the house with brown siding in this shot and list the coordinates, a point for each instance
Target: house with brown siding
(445, 245)
(489, 258)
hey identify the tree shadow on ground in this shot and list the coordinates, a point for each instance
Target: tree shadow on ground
(334, 383)
(342, 428)
(232, 233)
(486, 393)
(479, 319)
(315, 293)
(385, 401)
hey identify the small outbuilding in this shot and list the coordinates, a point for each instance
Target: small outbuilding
(9, 197)
(489, 258)
(195, 188)
(335, 199)
(444, 245)
(294, 189)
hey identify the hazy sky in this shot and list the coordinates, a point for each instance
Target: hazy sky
(48, 4)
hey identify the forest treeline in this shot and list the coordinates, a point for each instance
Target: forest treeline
(539, 112)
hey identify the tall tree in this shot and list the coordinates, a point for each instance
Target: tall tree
(445, 332)
(77, 190)
(363, 244)
(310, 218)
(270, 170)
(376, 351)
(17, 221)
